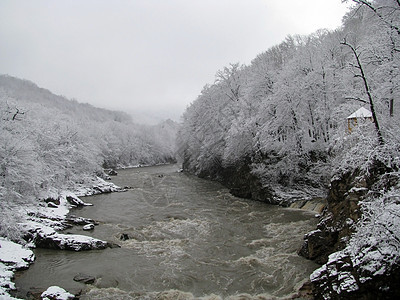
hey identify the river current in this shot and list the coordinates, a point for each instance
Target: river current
(188, 238)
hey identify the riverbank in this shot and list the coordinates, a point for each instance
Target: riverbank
(184, 233)
(39, 225)
(357, 238)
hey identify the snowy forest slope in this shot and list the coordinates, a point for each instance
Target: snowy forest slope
(48, 141)
(282, 122)
(285, 115)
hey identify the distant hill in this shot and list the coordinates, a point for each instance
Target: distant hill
(26, 91)
(48, 141)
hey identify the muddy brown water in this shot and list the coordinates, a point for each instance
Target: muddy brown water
(188, 238)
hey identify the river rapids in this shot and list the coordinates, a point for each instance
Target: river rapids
(185, 238)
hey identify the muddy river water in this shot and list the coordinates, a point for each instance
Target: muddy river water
(187, 238)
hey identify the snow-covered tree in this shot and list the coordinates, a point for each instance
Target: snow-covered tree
(287, 110)
(47, 141)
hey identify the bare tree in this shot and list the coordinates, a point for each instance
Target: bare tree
(362, 75)
(379, 11)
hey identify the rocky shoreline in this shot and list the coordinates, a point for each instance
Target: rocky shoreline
(356, 263)
(40, 229)
(356, 240)
(342, 275)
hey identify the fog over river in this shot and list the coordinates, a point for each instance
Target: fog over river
(188, 237)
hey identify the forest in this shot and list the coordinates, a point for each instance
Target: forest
(283, 121)
(280, 122)
(285, 113)
(50, 142)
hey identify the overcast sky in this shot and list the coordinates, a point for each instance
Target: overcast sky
(145, 55)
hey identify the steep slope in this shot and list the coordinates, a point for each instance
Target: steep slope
(49, 142)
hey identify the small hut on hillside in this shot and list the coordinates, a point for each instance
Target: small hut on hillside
(360, 114)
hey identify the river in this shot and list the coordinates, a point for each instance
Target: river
(188, 237)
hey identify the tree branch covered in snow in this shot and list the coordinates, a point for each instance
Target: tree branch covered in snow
(290, 105)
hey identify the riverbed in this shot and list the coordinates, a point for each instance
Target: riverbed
(182, 236)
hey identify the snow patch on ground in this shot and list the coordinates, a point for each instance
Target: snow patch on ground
(95, 186)
(12, 257)
(41, 223)
(14, 254)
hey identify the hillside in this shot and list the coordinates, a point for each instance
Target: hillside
(281, 123)
(25, 91)
(50, 142)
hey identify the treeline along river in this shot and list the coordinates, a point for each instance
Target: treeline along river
(181, 236)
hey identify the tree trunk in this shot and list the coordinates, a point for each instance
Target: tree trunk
(367, 91)
(391, 107)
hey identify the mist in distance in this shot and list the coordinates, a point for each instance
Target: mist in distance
(148, 58)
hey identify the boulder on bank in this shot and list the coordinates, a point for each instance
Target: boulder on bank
(73, 220)
(52, 204)
(56, 293)
(112, 172)
(71, 242)
(54, 201)
(46, 237)
(75, 200)
(95, 186)
(318, 245)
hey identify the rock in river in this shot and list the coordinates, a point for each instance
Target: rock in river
(124, 237)
(88, 227)
(87, 279)
(56, 293)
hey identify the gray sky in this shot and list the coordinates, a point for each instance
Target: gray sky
(144, 56)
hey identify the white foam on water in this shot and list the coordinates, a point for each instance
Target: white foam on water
(173, 294)
(115, 293)
(160, 249)
(167, 236)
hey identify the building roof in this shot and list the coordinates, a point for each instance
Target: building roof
(360, 113)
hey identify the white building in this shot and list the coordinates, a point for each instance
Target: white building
(360, 114)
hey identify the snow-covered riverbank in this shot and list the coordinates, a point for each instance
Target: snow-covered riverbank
(39, 228)
(12, 257)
